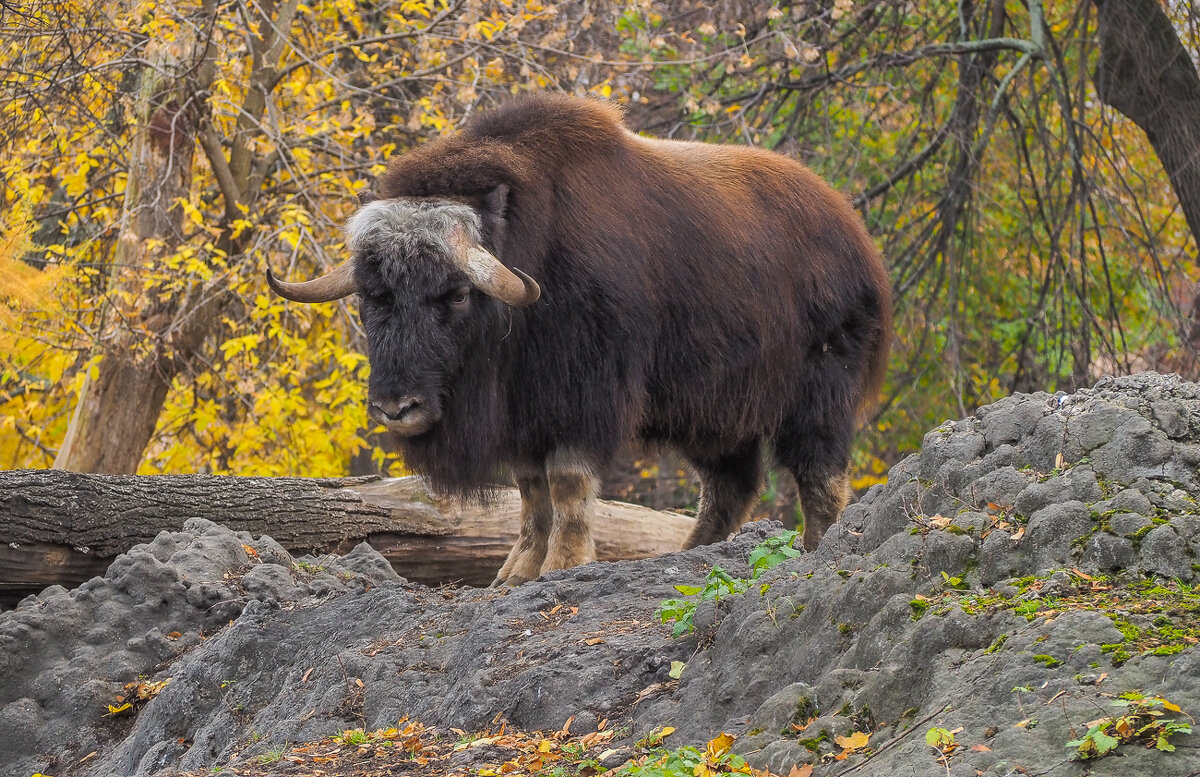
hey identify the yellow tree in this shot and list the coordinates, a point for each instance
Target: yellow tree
(158, 155)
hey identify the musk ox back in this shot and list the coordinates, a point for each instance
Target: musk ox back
(546, 285)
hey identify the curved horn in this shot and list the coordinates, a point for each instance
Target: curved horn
(335, 284)
(489, 275)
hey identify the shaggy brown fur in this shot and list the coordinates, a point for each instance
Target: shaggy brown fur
(712, 298)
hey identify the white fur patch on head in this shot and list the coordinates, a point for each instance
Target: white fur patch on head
(405, 221)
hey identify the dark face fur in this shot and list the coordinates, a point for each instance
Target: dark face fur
(430, 339)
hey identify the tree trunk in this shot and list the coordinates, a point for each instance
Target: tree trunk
(63, 528)
(1146, 74)
(120, 401)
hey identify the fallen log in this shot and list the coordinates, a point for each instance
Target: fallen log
(64, 527)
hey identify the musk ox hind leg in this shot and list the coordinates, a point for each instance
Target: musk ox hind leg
(729, 485)
(524, 561)
(822, 503)
(573, 491)
(815, 448)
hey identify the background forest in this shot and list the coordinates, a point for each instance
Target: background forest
(1031, 173)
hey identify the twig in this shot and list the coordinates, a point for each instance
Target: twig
(894, 740)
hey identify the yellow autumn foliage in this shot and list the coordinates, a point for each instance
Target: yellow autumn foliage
(277, 388)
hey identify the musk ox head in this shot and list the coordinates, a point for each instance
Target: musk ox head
(430, 296)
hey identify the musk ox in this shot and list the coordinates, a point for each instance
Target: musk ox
(546, 285)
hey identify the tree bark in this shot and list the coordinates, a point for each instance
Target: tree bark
(120, 401)
(1146, 74)
(63, 528)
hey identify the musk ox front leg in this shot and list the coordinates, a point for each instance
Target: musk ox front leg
(573, 490)
(524, 561)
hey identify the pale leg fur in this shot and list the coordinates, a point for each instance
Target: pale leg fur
(524, 561)
(573, 490)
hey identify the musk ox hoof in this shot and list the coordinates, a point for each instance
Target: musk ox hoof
(512, 581)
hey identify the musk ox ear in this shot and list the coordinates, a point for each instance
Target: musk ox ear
(493, 211)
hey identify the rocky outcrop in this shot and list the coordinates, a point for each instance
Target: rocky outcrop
(1029, 565)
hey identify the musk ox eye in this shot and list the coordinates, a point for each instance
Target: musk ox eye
(459, 297)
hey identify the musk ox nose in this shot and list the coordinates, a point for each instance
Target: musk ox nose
(407, 416)
(393, 409)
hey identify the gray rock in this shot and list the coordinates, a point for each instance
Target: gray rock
(830, 727)
(780, 756)
(369, 563)
(1163, 553)
(1133, 501)
(1106, 553)
(1171, 417)
(1095, 424)
(1137, 449)
(270, 581)
(1010, 419)
(1000, 486)
(867, 625)
(1126, 524)
(794, 704)
(1053, 531)
(1079, 484)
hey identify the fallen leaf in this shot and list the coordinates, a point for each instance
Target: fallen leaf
(981, 748)
(677, 669)
(1059, 460)
(658, 735)
(594, 738)
(801, 771)
(1020, 533)
(719, 745)
(594, 641)
(650, 690)
(855, 741)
